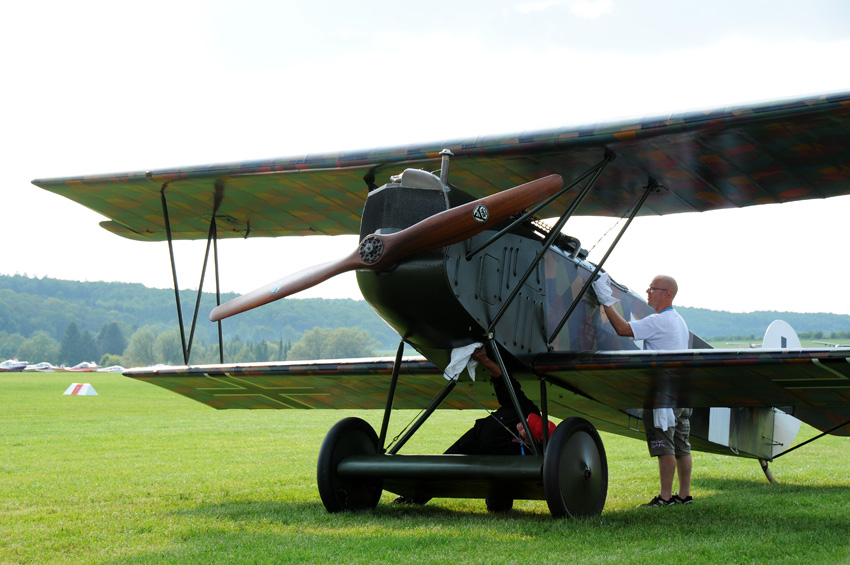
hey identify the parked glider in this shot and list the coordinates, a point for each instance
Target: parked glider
(453, 257)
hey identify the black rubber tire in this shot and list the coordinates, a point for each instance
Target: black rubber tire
(575, 470)
(349, 436)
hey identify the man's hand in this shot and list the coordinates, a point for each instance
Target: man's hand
(602, 288)
(481, 356)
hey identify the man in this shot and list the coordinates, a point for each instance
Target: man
(665, 329)
(493, 434)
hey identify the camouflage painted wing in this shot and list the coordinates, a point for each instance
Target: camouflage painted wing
(730, 157)
(334, 384)
(814, 384)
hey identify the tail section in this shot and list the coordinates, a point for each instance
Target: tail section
(760, 432)
(780, 335)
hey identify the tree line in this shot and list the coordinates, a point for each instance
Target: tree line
(29, 305)
(66, 322)
(838, 336)
(149, 345)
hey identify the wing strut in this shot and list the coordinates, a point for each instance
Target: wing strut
(509, 385)
(544, 411)
(435, 402)
(652, 186)
(390, 395)
(529, 214)
(211, 239)
(596, 170)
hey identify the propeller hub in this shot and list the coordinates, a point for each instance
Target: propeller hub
(371, 249)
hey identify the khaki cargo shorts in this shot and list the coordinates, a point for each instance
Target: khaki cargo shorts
(674, 441)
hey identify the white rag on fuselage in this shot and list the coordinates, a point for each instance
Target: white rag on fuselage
(462, 358)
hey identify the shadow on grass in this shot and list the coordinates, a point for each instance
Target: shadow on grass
(314, 512)
(730, 520)
(749, 499)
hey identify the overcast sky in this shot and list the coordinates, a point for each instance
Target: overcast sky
(98, 87)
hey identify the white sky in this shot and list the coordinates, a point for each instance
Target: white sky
(96, 87)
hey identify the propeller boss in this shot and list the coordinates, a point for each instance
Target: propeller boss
(371, 249)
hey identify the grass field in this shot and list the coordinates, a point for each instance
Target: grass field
(140, 475)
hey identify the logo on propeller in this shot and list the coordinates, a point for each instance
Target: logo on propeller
(481, 213)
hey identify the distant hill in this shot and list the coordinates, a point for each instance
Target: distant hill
(29, 305)
(712, 323)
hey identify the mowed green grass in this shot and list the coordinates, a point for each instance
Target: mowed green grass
(141, 475)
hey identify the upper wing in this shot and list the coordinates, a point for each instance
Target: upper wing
(814, 384)
(731, 157)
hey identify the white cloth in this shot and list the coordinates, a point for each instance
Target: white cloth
(602, 288)
(462, 359)
(663, 418)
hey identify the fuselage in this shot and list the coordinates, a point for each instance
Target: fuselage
(444, 298)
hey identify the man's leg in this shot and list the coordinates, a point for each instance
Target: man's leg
(667, 470)
(684, 463)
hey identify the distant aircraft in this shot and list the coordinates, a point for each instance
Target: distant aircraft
(43, 367)
(457, 256)
(12, 365)
(84, 367)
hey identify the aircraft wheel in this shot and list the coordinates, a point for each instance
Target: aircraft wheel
(497, 505)
(575, 470)
(349, 436)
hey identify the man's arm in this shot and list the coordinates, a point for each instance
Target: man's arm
(621, 326)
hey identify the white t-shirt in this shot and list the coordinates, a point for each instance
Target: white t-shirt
(665, 330)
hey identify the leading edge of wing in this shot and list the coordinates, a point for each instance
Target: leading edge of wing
(805, 378)
(600, 133)
(729, 157)
(332, 384)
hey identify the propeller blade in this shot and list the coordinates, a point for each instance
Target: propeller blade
(296, 282)
(380, 252)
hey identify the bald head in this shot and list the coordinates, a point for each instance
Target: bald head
(669, 283)
(661, 292)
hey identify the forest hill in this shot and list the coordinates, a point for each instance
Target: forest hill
(132, 325)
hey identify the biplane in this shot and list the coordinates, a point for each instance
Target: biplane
(453, 252)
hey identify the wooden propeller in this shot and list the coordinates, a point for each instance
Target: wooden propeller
(380, 252)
